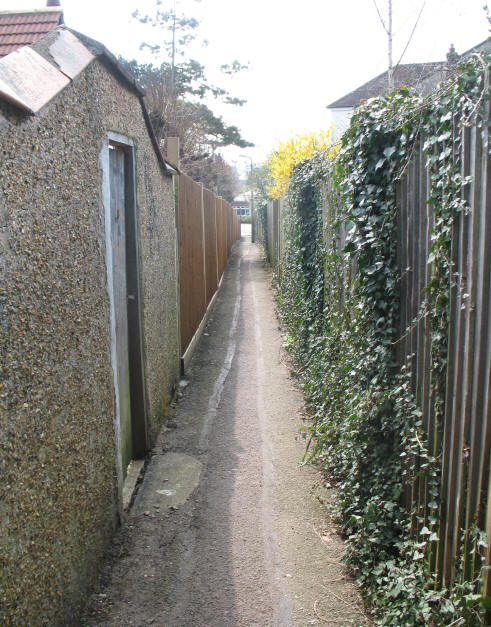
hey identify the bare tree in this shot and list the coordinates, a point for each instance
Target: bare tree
(388, 29)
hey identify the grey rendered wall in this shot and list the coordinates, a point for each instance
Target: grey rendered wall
(58, 488)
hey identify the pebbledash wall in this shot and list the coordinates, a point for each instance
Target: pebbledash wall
(60, 461)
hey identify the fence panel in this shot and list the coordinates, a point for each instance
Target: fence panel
(207, 231)
(211, 267)
(229, 228)
(479, 434)
(273, 231)
(191, 256)
(222, 243)
(462, 435)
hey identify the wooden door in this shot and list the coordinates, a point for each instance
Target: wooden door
(120, 294)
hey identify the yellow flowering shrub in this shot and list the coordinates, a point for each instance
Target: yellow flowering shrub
(281, 161)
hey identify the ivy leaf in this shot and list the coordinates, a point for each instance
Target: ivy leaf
(389, 151)
(380, 163)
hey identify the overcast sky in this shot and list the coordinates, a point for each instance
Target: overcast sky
(302, 54)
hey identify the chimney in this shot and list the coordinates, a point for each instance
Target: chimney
(452, 56)
(53, 3)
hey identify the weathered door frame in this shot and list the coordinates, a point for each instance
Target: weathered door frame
(135, 344)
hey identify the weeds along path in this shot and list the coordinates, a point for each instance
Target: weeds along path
(227, 529)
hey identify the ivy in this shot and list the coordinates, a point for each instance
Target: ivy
(341, 308)
(262, 220)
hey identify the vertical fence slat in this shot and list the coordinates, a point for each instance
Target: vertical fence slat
(487, 575)
(224, 231)
(403, 273)
(203, 248)
(479, 443)
(404, 301)
(210, 244)
(421, 256)
(412, 305)
(406, 251)
(399, 229)
(426, 407)
(222, 239)
(414, 288)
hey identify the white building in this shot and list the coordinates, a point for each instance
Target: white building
(242, 205)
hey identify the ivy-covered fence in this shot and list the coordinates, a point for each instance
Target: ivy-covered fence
(273, 221)
(460, 436)
(384, 285)
(273, 243)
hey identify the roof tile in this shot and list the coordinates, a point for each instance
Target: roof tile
(20, 29)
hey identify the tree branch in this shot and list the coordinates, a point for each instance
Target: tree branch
(411, 35)
(380, 17)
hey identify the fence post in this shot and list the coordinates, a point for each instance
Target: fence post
(172, 154)
(217, 237)
(173, 150)
(203, 237)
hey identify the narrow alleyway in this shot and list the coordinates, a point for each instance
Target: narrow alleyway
(227, 529)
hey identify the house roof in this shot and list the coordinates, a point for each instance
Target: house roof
(410, 75)
(484, 46)
(19, 29)
(32, 76)
(423, 77)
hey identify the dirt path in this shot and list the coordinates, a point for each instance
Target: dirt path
(227, 529)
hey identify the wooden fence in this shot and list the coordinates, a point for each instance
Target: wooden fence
(208, 228)
(274, 240)
(462, 437)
